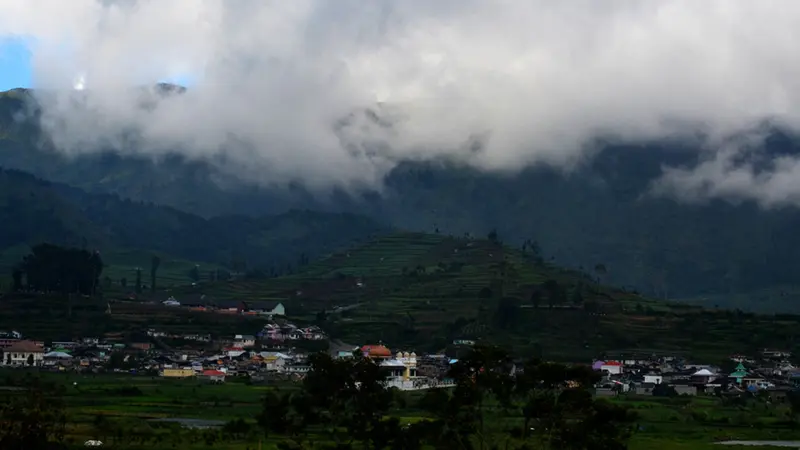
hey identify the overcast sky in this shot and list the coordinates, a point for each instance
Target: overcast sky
(535, 80)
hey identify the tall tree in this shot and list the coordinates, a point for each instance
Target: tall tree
(155, 261)
(138, 286)
(601, 270)
(507, 312)
(194, 273)
(52, 268)
(556, 294)
(347, 400)
(16, 277)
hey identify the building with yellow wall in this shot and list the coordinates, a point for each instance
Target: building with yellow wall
(177, 373)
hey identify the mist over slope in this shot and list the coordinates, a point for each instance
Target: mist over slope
(605, 210)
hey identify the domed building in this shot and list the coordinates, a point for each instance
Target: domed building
(376, 352)
(401, 370)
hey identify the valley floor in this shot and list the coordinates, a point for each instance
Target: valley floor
(119, 410)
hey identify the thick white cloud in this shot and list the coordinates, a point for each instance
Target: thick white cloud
(535, 80)
(737, 169)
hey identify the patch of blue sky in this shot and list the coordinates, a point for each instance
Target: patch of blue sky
(15, 63)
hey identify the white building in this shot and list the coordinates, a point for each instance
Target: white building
(402, 374)
(703, 376)
(655, 379)
(270, 309)
(244, 341)
(233, 352)
(612, 367)
(23, 353)
(277, 310)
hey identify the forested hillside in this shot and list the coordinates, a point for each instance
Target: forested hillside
(34, 211)
(601, 213)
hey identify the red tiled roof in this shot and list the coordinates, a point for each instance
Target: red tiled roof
(213, 373)
(24, 347)
(376, 351)
(612, 363)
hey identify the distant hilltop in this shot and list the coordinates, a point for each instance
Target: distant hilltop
(165, 88)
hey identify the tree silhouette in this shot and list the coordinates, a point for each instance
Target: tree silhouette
(793, 397)
(536, 298)
(601, 271)
(577, 297)
(347, 401)
(194, 273)
(556, 294)
(51, 268)
(507, 313)
(155, 262)
(345, 398)
(138, 286)
(16, 277)
(33, 418)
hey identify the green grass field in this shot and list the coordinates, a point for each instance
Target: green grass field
(128, 402)
(171, 272)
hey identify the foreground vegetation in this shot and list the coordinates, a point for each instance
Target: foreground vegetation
(341, 404)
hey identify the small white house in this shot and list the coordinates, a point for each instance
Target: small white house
(612, 367)
(234, 352)
(275, 310)
(298, 368)
(703, 376)
(244, 341)
(275, 363)
(655, 379)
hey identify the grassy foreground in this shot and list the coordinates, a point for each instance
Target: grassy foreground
(118, 408)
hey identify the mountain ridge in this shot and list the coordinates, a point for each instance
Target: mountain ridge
(600, 213)
(37, 211)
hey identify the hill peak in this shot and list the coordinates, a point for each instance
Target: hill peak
(160, 87)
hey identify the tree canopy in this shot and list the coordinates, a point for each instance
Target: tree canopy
(52, 268)
(349, 401)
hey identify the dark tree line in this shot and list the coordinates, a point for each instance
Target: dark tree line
(34, 418)
(52, 268)
(343, 404)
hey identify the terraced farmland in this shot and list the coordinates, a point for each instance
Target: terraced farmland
(422, 291)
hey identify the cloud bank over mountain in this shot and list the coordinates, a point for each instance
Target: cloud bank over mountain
(340, 92)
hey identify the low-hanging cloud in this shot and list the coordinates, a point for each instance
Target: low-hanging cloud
(282, 86)
(737, 169)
